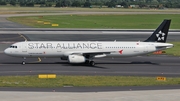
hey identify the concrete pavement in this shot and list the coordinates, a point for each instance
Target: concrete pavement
(149, 95)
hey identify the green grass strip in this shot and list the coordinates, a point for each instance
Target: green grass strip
(175, 51)
(60, 81)
(79, 9)
(140, 21)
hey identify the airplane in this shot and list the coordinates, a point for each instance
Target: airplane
(85, 51)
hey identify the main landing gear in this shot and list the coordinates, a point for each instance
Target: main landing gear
(90, 63)
(89, 60)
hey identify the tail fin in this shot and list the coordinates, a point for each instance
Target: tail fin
(161, 33)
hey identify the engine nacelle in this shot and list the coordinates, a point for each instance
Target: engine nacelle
(100, 56)
(76, 59)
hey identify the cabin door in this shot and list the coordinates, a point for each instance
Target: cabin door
(24, 47)
(146, 49)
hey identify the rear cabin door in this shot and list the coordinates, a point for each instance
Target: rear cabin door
(145, 48)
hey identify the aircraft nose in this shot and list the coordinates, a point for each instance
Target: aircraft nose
(7, 51)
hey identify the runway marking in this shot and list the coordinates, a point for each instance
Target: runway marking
(23, 37)
(39, 60)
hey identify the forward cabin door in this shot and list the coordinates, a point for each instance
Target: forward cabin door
(24, 47)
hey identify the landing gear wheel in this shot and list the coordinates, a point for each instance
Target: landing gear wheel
(23, 63)
(92, 63)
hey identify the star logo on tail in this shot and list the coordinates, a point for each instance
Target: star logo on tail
(160, 36)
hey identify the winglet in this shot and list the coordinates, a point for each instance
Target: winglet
(161, 33)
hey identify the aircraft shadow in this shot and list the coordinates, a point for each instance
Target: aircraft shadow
(68, 64)
(83, 65)
(134, 62)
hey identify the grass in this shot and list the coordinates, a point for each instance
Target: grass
(143, 21)
(60, 81)
(104, 9)
(175, 51)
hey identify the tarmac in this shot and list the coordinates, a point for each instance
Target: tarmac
(149, 95)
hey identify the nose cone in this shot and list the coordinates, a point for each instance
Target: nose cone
(7, 51)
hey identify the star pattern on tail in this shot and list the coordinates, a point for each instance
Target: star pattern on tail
(160, 36)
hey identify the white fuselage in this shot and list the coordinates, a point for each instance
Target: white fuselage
(66, 48)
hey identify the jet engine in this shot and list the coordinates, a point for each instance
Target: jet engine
(76, 59)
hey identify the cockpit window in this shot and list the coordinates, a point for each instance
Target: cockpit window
(13, 47)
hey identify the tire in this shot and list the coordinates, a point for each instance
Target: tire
(23, 63)
(92, 63)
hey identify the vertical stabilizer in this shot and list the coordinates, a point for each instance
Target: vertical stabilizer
(161, 33)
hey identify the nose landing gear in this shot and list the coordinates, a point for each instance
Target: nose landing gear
(23, 62)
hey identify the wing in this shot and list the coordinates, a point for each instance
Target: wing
(92, 54)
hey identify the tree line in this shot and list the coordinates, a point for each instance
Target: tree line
(94, 3)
